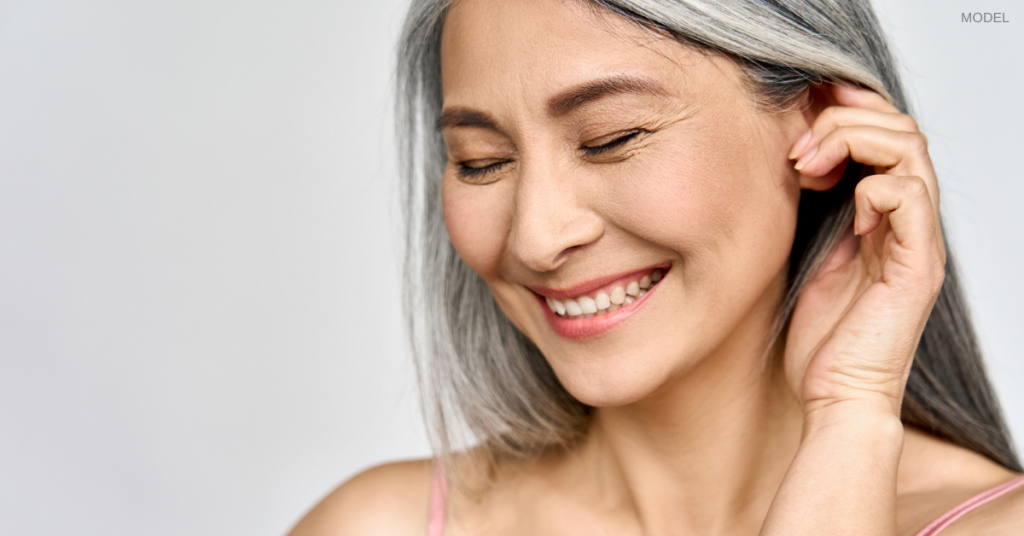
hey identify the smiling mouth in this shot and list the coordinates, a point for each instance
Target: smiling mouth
(606, 298)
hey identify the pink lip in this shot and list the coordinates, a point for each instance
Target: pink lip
(582, 328)
(587, 287)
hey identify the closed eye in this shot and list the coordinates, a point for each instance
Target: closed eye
(467, 171)
(617, 142)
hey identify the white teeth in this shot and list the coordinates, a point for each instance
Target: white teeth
(587, 305)
(572, 308)
(559, 308)
(604, 302)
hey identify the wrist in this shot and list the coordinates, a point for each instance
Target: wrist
(862, 420)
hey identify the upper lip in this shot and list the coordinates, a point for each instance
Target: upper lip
(591, 285)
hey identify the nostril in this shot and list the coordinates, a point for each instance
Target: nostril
(566, 252)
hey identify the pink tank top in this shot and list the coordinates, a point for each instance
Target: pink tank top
(439, 496)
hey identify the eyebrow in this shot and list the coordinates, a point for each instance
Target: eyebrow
(563, 103)
(585, 93)
(462, 117)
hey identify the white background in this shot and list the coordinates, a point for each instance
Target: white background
(199, 315)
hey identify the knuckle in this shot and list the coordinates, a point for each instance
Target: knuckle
(915, 187)
(917, 142)
(909, 123)
(869, 184)
(863, 186)
(844, 131)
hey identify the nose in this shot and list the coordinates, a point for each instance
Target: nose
(551, 218)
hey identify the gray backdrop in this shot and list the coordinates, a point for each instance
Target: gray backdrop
(199, 322)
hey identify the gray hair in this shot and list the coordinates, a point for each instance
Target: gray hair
(481, 380)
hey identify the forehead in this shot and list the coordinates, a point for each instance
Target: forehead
(505, 51)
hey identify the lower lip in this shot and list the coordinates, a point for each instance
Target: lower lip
(584, 328)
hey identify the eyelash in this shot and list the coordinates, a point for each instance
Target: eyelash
(469, 172)
(617, 142)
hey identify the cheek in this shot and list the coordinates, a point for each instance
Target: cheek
(719, 202)
(476, 218)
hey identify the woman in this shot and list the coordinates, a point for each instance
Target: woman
(677, 267)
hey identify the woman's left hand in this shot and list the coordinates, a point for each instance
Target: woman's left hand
(856, 326)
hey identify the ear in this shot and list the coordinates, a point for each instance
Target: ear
(817, 98)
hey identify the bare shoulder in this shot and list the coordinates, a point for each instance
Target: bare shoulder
(937, 476)
(387, 500)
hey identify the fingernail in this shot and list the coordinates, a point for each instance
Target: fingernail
(799, 145)
(806, 158)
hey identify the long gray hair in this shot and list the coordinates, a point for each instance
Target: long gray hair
(483, 381)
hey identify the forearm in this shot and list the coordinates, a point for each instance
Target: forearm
(843, 478)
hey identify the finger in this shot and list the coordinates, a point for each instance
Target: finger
(914, 223)
(834, 117)
(858, 97)
(905, 153)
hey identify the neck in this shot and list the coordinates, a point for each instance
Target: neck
(705, 452)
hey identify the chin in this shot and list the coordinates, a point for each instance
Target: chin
(616, 380)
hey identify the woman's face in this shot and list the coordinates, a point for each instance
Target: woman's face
(586, 156)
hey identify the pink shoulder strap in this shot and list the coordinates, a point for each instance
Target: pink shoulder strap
(438, 498)
(967, 506)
